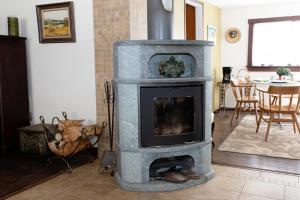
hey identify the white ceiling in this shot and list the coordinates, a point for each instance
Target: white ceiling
(234, 3)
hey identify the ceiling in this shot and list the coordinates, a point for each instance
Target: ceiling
(234, 3)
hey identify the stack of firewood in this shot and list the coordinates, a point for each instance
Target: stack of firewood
(71, 136)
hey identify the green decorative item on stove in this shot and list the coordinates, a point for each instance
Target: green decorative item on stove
(13, 26)
(171, 68)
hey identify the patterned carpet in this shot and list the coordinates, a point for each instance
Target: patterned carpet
(282, 141)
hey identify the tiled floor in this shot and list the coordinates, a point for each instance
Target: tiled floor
(229, 184)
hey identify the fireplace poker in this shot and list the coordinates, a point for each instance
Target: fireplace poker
(108, 96)
(108, 161)
(113, 112)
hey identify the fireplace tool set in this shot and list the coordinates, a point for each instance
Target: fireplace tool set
(109, 158)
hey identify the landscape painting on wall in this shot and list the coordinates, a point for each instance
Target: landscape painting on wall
(56, 22)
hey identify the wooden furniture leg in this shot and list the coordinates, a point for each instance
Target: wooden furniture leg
(269, 126)
(294, 126)
(239, 110)
(259, 120)
(255, 110)
(296, 121)
(235, 110)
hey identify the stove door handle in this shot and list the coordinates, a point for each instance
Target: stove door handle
(192, 142)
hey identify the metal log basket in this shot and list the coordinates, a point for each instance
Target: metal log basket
(63, 149)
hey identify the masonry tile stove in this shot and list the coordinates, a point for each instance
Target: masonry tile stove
(162, 114)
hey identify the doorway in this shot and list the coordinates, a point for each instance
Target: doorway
(193, 20)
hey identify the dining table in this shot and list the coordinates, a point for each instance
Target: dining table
(264, 84)
(282, 83)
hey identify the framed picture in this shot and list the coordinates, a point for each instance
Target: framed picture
(56, 22)
(233, 35)
(211, 34)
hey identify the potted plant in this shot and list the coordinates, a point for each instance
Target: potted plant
(283, 71)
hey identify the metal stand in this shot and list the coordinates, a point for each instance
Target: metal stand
(68, 168)
(51, 158)
(59, 152)
(222, 95)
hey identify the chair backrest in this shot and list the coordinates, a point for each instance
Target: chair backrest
(244, 90)
(284, 90)
(286, 96)
(243, 75)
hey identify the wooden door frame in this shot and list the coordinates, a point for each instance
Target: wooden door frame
(194, 3)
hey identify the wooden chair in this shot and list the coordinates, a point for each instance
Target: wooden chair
(244, 94)
(286, 104)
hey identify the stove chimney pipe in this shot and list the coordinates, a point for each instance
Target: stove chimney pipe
(159, 13)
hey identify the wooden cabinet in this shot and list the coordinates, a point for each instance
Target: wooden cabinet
(14, 106)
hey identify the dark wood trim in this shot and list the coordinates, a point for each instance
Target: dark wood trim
(274, 19)
(250, 45)
(251, 23)
(12, 37)
(270, 69)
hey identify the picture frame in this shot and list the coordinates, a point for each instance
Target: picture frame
(212, 34)
(56, 22)
(233, 35)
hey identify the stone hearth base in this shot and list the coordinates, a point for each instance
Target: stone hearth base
(133, 166)
(162, 186)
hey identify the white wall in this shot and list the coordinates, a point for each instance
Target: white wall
(61, 77)
(235, 55)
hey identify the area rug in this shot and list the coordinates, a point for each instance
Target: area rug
(282, 141)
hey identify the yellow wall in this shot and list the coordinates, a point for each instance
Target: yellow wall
(179, 20)
(212, 17)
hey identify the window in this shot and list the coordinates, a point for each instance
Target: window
(274, 42)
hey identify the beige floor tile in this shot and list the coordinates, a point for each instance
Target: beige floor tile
(119, 194)
(196, 193)
(232, 171)
(89, 190)
(226, 183)
(280, 178)
(66, 197)
(292, 193)
(210, 193)
(245, 196)
(58, 183)
(86, 183)
(33, 194)
(264, 189)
